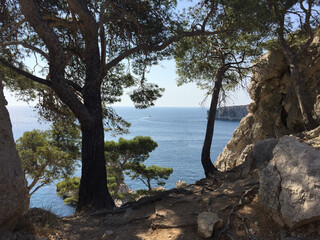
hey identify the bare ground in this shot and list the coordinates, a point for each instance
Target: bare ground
(173, 215)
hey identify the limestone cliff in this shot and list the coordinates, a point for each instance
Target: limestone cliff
(274, 111)
(232, 113)
(12, 181)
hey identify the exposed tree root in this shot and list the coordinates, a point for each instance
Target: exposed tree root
(227, 226)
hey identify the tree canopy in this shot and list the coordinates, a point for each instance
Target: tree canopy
(83, 45)
(219, 63)
(120, 154)
(48, 155)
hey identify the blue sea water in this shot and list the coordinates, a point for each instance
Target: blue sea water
(179, 133)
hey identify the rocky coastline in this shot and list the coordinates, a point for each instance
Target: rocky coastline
(232, 113)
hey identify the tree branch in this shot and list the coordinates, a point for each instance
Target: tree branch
(60, 22)
(25, 74)
(129, 15)
(13, 30)
(57, 60)
(26, 45)
(155, 47)
(37, 188)
(306, 26)
(212, 10)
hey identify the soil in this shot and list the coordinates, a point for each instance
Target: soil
(173, 215)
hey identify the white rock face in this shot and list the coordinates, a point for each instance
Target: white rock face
(206, 222)
(274, 111)
(290, 184)
(12, 181)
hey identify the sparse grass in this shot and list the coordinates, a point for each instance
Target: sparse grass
(43, 217)
(37, 222)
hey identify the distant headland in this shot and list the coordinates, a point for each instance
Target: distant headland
(232, 113)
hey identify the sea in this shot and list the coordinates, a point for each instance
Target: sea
(179, 133)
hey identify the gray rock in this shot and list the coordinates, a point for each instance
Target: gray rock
(12, 181)
(274, 111)
(206, 222)
(259, 157)
(124, 189)
(290, 184)
(181, 184)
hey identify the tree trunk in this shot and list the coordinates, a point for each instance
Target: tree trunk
(93, 191)
(305, 104)
(119, 181)
(208, 167)
(149, 186)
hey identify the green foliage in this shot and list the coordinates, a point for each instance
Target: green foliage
(145, 96)
(128, 156)
(119, 155)
(147, 174)
(68, 188)
(203, 59)
(48, 155)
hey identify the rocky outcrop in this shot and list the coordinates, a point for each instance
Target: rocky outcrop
(274, 111)
(12, 181)
(232, 113)
(290, 184)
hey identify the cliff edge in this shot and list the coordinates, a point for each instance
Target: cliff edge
(274, 111)
(232, 113)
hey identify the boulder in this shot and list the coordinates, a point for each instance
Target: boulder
(259, 156)
(206, 223)
(181, 184)
(12, 180)
(290, 183)
(124, 189)
(274, 111)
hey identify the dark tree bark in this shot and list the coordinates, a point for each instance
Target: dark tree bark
(93, 187)
(208, 167)
(93, 191)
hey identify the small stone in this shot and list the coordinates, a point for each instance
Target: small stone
(107, 235)
(181, 184)
(206, 222)
(251, 231)
(256, 223)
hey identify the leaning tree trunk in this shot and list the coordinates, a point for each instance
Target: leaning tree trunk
(93, 191)
(305, 104)
(208, 167)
